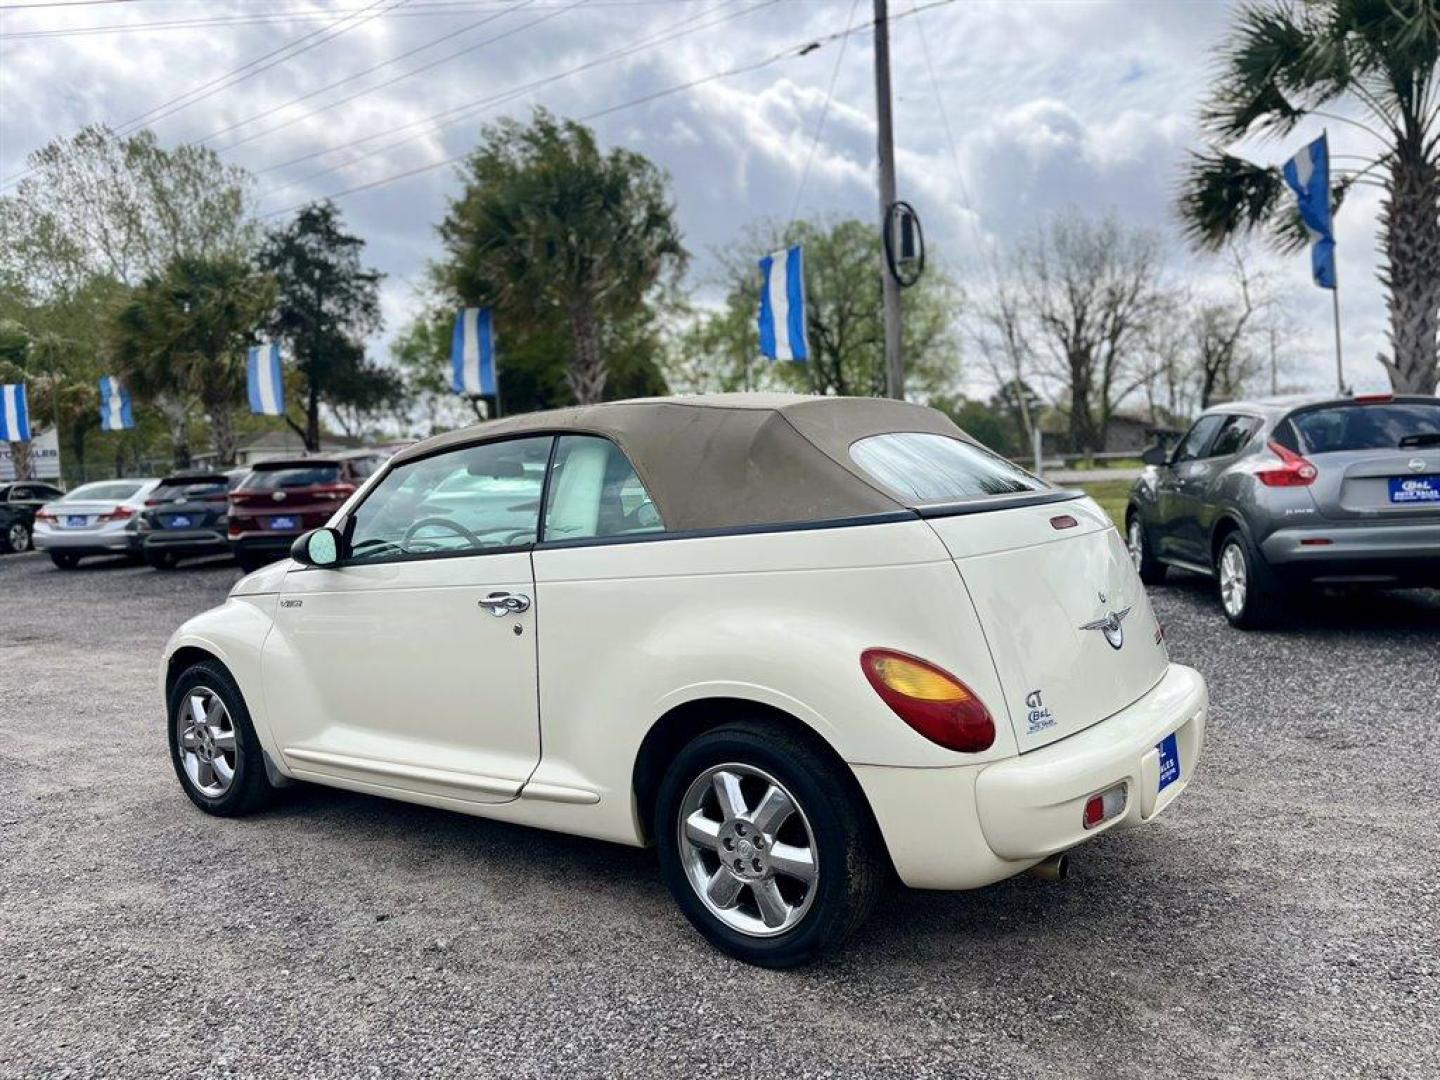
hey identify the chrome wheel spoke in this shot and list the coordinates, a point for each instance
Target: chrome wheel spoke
(724, 888)
(204, 774)
(741, 851)
(729, 795)
(792, 861)
(774, 808)
(223, 771)
(702, 831)
(773, 908)
(224, 740)
(197, 710)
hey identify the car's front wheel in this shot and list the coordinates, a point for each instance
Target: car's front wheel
(1142, 554)
(213, 745)
(1249, 594)
(766, 845)
(17, 537)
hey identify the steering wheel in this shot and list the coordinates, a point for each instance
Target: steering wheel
(444, 523)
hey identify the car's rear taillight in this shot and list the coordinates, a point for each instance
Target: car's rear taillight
(334, 492)
(45, 516)
(1294, 470)
(120, 513)
(1104, 806)
(932, 701)
(1373, 399)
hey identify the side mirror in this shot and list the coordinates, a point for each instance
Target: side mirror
(318, 547)
(1155, 455)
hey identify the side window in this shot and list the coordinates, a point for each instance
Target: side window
(1234, 434)
(462, 502)
(595, 492)
(1196, 439)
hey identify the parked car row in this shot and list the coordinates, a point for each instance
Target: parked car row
(254, 513)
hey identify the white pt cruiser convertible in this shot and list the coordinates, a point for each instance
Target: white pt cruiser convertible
(793, 642)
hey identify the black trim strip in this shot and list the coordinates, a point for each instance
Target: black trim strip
(887, 517)
(985, 505)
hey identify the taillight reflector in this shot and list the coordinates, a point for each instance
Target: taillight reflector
(1104, 806)
(1294, 470)
(932, 701)
(120, 513)
(1316, 541)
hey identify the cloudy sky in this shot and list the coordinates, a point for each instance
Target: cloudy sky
(1052, 104)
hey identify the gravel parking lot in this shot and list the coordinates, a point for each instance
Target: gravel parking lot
(1281, 920)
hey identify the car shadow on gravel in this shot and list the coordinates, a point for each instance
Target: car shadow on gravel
(1310, 610)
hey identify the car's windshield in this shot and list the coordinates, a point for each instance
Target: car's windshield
(294, 476)
(1367, 427)
(931, 468)
(102, 491)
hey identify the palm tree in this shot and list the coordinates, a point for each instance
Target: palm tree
(1374, 60)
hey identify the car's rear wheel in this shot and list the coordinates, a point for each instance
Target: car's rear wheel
(17, 536)
(64, 560)
(765, 845)
(161, 560)
(213, 746)
(1249, 594)
(1150, 569)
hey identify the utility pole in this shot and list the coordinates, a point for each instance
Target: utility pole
(894, 361)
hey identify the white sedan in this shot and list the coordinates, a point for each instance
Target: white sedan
(793, 642)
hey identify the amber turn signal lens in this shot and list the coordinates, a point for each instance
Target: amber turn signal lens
(929, 699)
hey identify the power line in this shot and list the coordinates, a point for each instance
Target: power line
(824, 112)
(368, 71)
(402, 76)
(448, 117)
(742, 69)
(239, 74)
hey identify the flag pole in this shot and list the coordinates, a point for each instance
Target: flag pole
(1339, 362)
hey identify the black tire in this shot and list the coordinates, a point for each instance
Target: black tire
(1264, 595)
(1151, 570)
(250, 789)
(160, 560)
(16, 538)
(849, 851)
(64, 560)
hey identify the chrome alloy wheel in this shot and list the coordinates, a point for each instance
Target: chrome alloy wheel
(748, 850)
(206, 737)
(1233, 583)
(18, 537)
(1135, 541)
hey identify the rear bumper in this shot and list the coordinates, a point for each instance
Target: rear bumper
(968, 826)
(273, 544)
(186, 541)
(87, 541)
(1357, 552)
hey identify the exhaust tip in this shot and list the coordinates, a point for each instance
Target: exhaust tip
(1055, 868)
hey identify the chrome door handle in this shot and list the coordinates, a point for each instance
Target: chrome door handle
(501, 604)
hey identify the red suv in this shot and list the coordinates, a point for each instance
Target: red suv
(283, 498)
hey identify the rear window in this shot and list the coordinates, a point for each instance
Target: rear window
(192, 487)
(925, 468)
(103, 492)
(1366, 427)
(297, 476)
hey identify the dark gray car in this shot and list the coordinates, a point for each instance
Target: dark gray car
(1269, 495)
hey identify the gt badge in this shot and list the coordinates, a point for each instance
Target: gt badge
(1038, 718)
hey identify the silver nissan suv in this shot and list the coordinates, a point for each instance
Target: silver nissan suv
(1269, 495)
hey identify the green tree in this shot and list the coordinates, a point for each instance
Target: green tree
(551, 232)
(182, 337)
(1285, 62)
(327, 304)
(843, 319)
(101, 205)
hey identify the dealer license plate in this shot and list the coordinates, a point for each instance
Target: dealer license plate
(1415, 489)
(1169, 761)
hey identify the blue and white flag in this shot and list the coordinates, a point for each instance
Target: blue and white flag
(266, 380)
(782, 306)
(115, 412)
(472, 352)
(1308, 174)
(14, 414)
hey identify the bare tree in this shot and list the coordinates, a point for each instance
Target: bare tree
(1221, 333)
(1091, 288)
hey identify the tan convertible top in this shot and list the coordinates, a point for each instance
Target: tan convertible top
(719, 461)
